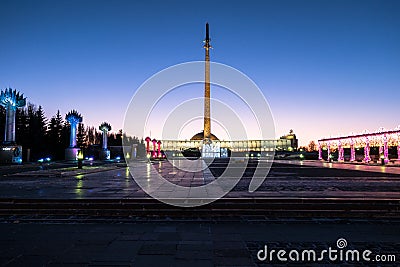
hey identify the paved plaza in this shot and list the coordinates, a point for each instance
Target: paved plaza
(220, 240)
(219, 243)
(285, 180)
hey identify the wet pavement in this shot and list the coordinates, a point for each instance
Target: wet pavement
(285, 180)
(189, 243)
(220, 241)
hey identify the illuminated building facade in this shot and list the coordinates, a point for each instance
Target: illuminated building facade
(244, 148)
(294, 142)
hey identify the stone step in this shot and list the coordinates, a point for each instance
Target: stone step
(224, 208)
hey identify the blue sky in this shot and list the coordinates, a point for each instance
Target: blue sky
(325, 67)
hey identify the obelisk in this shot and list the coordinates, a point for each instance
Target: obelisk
(207, 115)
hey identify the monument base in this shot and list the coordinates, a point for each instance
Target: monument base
(10, 154)
(71, 153)
(105, 154)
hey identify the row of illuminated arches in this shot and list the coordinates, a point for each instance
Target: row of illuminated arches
(381, 139)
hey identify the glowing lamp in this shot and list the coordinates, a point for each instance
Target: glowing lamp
(79, 155)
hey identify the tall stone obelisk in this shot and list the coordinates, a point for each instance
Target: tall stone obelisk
(207, 112)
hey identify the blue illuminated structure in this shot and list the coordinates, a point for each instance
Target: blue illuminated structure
(11, 100)
(105, 128)
(73, 117)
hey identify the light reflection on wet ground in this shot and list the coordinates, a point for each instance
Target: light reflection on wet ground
(283, 181)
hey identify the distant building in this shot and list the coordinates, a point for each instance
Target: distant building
(294, 142)
(240, 148)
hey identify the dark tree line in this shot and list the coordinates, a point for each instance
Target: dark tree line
(49, 137)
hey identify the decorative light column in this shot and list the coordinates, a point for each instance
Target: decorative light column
(73, 117)
(11, 100)
(329, 152)
(367, 158)
(319, 151)
(385, 149)
(381, 151)
(148, 139)
(340, 151)
(398, 146)
(159, 149)
(352, 151)
(105, 128)
(154, 141)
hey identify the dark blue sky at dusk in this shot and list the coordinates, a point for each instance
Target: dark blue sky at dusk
(325, 67)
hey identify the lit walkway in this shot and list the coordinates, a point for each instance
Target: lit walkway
(346, 166)
(286, 179)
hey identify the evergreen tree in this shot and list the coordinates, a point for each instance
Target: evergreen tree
(55, 136)
(22, 128)
(118, 137)
(50, 137)
(39, 131)
(91, 138)
(34, 139)
(81, 136)
(99, 136)
(42, 120)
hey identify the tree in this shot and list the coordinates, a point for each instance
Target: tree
(91, 136)
(115, 139)
(81, 136)
(118, 138)
(312, 146)
(56, 136)
(22, 128)
(42, 120)
(37, 132)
